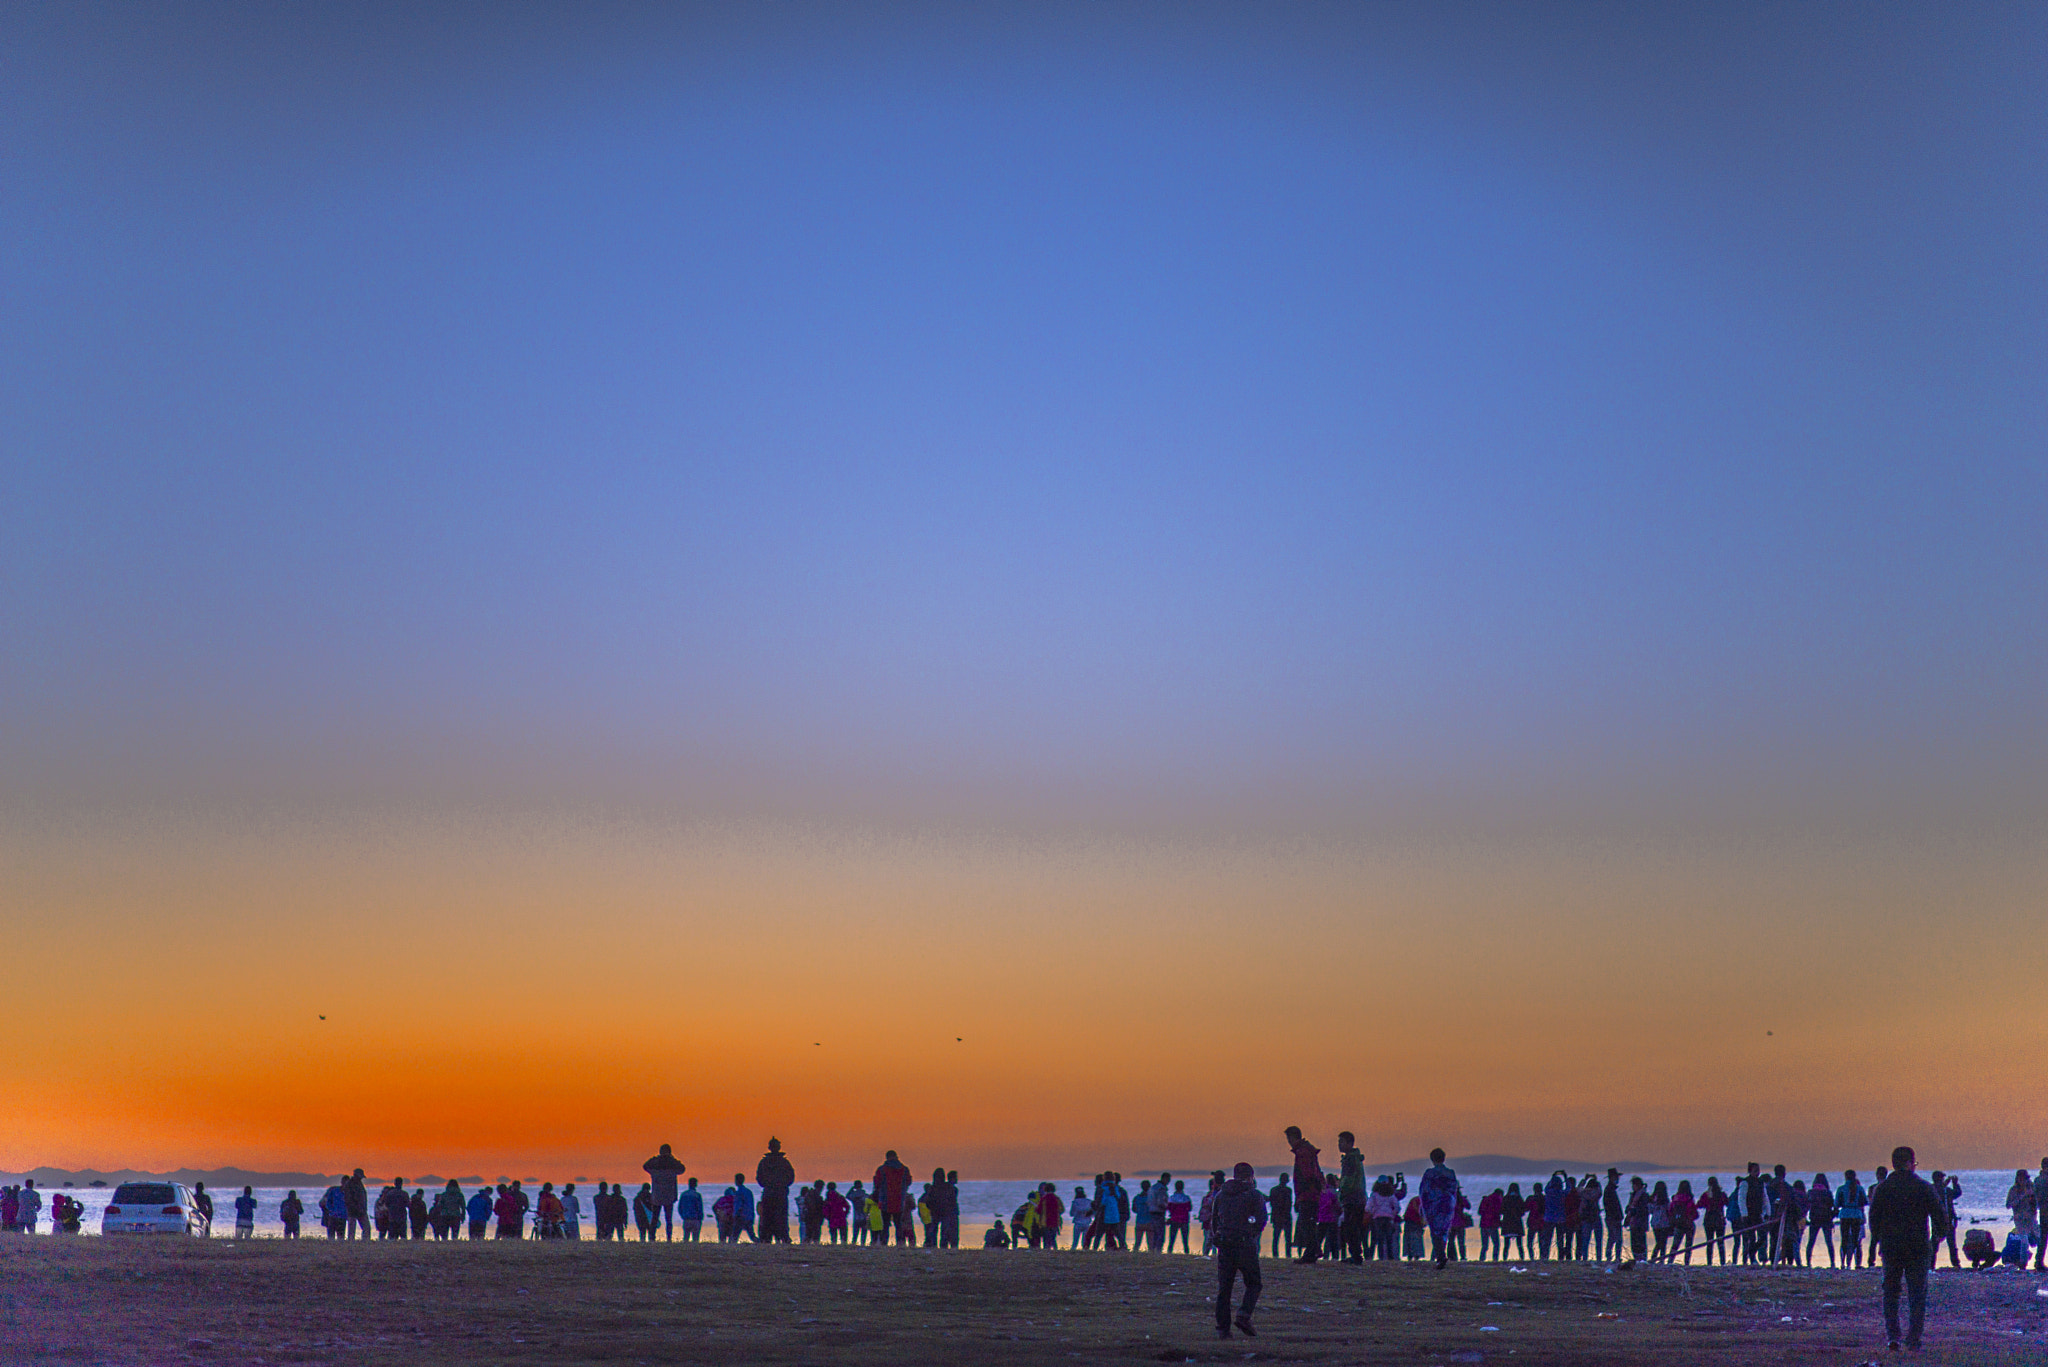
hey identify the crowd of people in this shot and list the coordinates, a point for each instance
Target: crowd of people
(1756, 1220)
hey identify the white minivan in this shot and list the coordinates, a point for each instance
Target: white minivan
(152, 1208)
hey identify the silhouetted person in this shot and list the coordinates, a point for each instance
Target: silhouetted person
(690, 1210)
(1351, 1197)
(356, 1197)
(948, 1193)
(1239, 1216)
(1905, 1218)
(810, 1212)
(664, 1168)
(1308, 1192)
(1439, 1192)
(892, 1191)
(775, 1175)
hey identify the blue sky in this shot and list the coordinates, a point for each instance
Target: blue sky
(1163, 413)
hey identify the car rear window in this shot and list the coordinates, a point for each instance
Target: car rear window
(144, 1194)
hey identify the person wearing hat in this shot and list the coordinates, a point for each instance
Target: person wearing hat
(774, 1175)
(1239, 1214)
(663, 1169)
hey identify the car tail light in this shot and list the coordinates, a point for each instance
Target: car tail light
(174, 1210)
(113, 1210)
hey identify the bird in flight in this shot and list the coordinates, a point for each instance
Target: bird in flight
(323, 1018)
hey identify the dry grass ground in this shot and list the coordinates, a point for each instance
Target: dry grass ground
(97, 1301)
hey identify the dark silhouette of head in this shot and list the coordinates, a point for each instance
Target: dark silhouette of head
(774, 1144)
(1902, 1159)
(665, 1152)
(1436, 1155)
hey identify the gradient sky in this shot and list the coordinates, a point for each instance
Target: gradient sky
(1045, 586)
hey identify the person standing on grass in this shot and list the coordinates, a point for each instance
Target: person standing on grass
(1082, 1213)
(837, 1208)
(1240, 1218)
(1308, 1191)
(743, 1209)
(289, 1212)
(949, 1210)
(245, 1214)
(662, 1171)
(356, 1197)
(479, 1209)
(1179, 1207)
(1906, 1218)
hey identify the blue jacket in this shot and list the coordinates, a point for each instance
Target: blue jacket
(690, 1204)
(480, 1207)
(743, 1204)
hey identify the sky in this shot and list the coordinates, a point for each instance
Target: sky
(1043, 586)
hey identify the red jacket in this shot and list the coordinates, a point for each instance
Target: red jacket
(1308, 1174)
(892, 1180)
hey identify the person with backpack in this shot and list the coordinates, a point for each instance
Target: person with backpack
(448, 1212)
(289, 1212)
(334, 1212)
(1239, 1216)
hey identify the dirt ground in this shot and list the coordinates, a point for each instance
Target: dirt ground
(268, 1302)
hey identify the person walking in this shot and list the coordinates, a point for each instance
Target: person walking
(1308, 1191)
(1240, 1218)
(775, 1174)
(1906, 1218)
(662, 1171)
